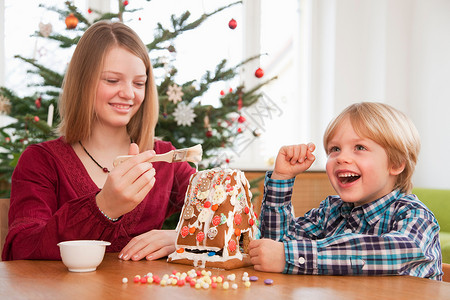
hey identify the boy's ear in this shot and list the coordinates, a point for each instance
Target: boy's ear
(397, 169)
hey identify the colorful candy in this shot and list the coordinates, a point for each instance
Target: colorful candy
(198, 279)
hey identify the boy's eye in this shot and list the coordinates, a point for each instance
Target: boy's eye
(333, 149)
(360, 147)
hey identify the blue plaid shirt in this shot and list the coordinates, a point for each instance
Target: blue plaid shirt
(394, 235)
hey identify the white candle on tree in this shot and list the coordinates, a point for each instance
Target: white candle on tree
(51, 109)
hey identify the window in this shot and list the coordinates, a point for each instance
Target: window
(263, 27)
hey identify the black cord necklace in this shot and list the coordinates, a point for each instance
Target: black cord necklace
(103, 168)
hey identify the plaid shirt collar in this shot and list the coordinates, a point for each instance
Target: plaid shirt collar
(373, 211)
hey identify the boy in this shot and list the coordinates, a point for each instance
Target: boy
(374, 226)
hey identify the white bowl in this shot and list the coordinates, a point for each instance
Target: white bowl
(82, 255)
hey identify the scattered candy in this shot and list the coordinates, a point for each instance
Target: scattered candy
(198, 279)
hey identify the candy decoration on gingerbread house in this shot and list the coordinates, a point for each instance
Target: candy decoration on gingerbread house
(217, 221)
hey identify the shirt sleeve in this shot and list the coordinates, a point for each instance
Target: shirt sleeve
(278, 221)
(38, 220)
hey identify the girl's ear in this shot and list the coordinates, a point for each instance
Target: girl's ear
(395, 170)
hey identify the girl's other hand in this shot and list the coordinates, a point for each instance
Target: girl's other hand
(151, 245)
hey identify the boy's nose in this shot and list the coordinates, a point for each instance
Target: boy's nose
(344, 158)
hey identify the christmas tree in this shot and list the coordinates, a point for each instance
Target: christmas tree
(183, 120)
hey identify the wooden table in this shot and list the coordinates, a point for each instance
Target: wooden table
(50, 280)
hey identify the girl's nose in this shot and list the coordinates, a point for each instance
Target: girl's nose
(126, 91)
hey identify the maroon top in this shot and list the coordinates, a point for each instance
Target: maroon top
(53, 200)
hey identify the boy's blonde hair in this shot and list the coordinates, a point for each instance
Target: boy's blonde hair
(389, 128)
(76, 103)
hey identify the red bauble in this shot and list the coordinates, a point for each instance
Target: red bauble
(259, 73)
(71, 21)
(241, 119)
(222, 93)
(36, 118)
(125, 3)
(232, 24)
(90, 11)
(37, 102)
(240, 103)
(209, 133)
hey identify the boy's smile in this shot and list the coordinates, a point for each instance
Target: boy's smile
(358, 167)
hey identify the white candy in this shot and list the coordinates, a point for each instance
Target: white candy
(124, 280)
(234, 286)
(231, 277)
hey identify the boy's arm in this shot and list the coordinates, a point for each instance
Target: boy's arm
(277, 219)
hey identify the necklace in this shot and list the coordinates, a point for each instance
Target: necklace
(103, 168)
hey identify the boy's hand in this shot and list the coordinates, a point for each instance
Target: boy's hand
(267, 255)
(293, 160)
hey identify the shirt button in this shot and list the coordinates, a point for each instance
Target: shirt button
(348, 230)
(301, 260)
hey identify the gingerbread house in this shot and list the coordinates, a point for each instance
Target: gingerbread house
(217, 221)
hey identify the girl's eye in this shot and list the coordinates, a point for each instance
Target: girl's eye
(359, 147)
(140, 84)
(109, 80)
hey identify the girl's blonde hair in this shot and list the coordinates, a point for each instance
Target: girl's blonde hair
(76, 103)
(389, 128)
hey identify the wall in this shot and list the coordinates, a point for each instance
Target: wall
(395, 52)
(430, 90)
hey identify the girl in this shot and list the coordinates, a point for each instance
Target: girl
(67, 189)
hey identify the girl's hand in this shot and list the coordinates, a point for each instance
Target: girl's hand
(150, 245)
(127, 184)
(293, 160)
(267, 255)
